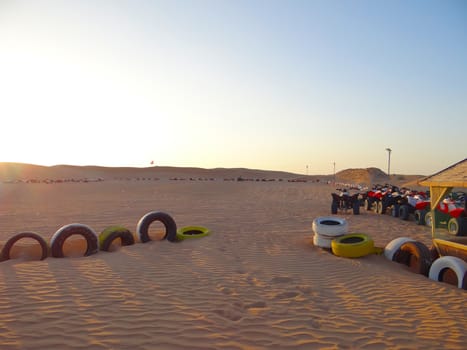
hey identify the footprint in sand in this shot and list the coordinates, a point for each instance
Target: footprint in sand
(305, 289)
(226, 290)
(287, 295)
(315, 324)
(231, 315)
(256, 305)
(281, 279)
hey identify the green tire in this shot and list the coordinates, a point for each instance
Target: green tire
(189, 232)
(111, 233)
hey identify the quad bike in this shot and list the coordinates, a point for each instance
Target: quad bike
(451, 215)
(416, 203)
(381, 198)
(344, 201)
(373, 196)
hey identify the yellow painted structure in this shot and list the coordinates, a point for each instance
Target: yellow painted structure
(440, 185)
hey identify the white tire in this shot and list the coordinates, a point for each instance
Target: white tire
(321, 242)
(330, 227)
(393, 246)
(453, 263)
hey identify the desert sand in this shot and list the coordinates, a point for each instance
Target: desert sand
(257, 282)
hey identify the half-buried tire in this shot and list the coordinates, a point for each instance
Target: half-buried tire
(415, 255)
(353, 245)
(393, 246)
(142, 229)
(192, 232)
(59, 237)
(449, 269)
(5, 254)
(112, 233)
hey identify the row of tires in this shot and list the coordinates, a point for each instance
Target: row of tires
(104, 240)
(332, 233)
(420, 259)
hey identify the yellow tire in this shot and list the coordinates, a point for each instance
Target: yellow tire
(353, 245)
(192, 232)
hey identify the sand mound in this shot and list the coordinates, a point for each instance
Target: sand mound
(372, 176)
(359, 176)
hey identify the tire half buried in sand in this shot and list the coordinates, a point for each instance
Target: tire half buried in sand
(192, 232)
(415, 255)
(59, 237)
(5, 254)
(112, 233)
(393, 246)
(354, 245)
(443, 268)
(142, 229)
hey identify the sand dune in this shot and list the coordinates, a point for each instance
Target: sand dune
(24, 172)
(256, 283)
(372, 176)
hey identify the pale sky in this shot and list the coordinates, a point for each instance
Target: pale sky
(277, 85)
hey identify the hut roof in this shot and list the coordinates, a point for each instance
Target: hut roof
(453, 176)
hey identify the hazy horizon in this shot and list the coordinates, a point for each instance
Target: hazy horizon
(296, 86)
(213, 168)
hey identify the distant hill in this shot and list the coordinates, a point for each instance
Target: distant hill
(371, 176)
(23, 172)
(366, 176)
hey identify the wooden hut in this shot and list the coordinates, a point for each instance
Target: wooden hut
(440, 184)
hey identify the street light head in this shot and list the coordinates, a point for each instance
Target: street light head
(388, 149)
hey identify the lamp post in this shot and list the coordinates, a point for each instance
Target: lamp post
(389, 161)
(334, 173)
